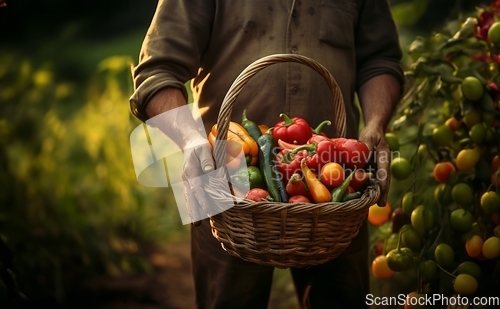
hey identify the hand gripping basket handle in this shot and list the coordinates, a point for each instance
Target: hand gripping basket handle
(255, 67)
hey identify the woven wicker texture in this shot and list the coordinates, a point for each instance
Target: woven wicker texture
(284, 235)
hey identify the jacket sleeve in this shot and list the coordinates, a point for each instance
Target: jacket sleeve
(377, 43)
(172, 49)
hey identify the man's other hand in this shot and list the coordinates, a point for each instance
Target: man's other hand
(374, 138)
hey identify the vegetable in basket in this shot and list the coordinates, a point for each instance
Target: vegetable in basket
(258, 195)
(317, 136)
(251, 127)
(299, 199)
(339, 192)
(352, 196)
(318, 154)
(289, 163)
(295, 130)
(319, 192)
(352, 152)
(248, 177)
(269, 169)
(296, 186)
(359, 179)
(237, 133)
(318, 131)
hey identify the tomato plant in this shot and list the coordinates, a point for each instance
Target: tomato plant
(447, 175)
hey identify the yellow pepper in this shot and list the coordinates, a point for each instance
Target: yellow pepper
(318, 190)
(236, 133)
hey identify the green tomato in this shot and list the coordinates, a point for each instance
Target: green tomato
(410, 237)
(248, 176)
(428, 270)
(400, 259)
(422, 219)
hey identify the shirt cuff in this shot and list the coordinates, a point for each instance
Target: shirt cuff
(148, 88)
(378, 67)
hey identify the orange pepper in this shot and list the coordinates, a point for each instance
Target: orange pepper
(263, 128)
(236, 133)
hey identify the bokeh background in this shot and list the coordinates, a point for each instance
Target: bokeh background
(77, 230)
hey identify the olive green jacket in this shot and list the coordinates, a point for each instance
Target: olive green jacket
(211, 41)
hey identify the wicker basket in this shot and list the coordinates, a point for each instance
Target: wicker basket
(285, 235)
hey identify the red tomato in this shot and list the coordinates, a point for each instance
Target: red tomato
(298, 199)
(359, 179)
(257, 195)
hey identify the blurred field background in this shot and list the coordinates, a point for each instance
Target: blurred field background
(77, 229)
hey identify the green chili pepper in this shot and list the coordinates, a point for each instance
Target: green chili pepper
(352, 196)
(339, 192)
(400, 259)
(251, 127)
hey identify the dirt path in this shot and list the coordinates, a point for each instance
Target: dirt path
(169, 286)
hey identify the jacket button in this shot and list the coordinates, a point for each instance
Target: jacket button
(294, 50)
(295, 89)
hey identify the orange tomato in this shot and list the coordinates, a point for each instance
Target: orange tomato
(442, 171)
(380, 269)
(379, 215)
(474, 246)
(332, 174)
(453, 123)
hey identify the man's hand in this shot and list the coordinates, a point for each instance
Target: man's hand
(197, 161)
(378, 98)
(374, 138)
(168, 111)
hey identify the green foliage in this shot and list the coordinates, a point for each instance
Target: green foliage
(406, 14)
(71, 205)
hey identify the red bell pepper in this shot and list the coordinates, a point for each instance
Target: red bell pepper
(288, 163)
(294, 131)
(316, 138)
(352, 152)
(318, 154)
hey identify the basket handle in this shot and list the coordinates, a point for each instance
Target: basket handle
(255, 67)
